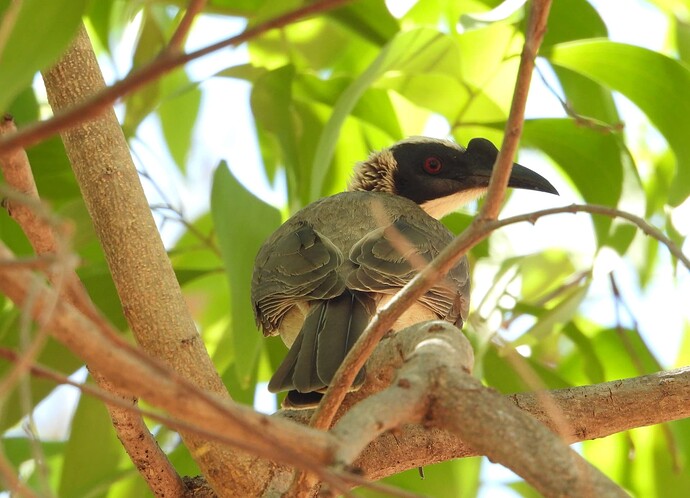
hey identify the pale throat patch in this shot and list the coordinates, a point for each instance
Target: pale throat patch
(438, 208)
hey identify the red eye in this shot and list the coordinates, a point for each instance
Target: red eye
(433, 165)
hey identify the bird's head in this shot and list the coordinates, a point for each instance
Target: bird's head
(439, 175)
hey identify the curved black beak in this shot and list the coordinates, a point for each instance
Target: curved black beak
(521, 177)
(482, 155)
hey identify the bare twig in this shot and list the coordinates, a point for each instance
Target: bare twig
(177, 40)
(581, 120)
(536, 27)
(43, 263)
(384, 319)
(100, 102)
(477, 231)
(641, 223)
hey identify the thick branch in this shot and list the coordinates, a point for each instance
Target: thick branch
(436, 378)
(130, 369)
(131, 430)
(481, 418)
(151, 297)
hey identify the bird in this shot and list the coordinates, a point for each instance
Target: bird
(322, 275)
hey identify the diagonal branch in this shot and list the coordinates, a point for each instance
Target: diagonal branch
(100, 102)
(385, 318)
(536, 28)
(177, 40)
(434, 385)
(49, 239)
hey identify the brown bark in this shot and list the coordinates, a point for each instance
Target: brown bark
(274, 439)
(47, 238)
(151, 298)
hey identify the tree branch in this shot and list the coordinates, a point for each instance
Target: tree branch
(437, 359)
(536, 28)
(386, 316)
(592, 411)
(587, 412)
(176, 43)
(101, 101)
(134, 371)
(130, 428)
(641, 223)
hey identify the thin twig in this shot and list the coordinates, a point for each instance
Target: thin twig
(477, 231)
(100, 102)
(581, 120)
(573, 281)
(9, 477)
(43, 262)
(177, 40)
(536, 27)
(641, 223)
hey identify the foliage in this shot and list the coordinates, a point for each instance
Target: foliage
(325, 92)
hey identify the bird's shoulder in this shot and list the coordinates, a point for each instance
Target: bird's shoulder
(346, 217)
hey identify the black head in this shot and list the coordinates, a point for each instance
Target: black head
(440, 175)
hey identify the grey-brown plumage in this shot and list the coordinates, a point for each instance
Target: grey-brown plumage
(321, 276)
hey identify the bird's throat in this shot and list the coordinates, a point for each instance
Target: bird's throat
(440, 207)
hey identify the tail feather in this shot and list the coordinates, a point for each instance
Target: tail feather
(305, 376)
(282, 377)
(346, 318)
(330, 329)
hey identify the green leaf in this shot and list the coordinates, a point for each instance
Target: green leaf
(38, 32)
(370, 19)
(573, 20)
(591, 159)
(658, 85)
(247, 72)
(141, 103)
(416, 51)
(274, 113)
(53, 355)
(505, 12)
(584, 358)
(374, 107)
(559, 314)
(242, 223)
(588, 99)
(501, 373)
(543, 272)
(98, 13)
(178, 114)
